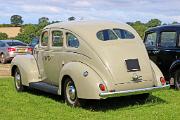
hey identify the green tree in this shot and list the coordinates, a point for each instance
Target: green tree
(153, 23)
(16, 20)
(139, 27)
(43, 20)
(71, 18)
(3, 36)
(175, 22)
(28, 32)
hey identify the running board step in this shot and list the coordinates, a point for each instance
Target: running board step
(44, 87)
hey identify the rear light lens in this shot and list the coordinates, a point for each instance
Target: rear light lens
(29, 49)
(102, 87)
(163, 81)
(11, 49)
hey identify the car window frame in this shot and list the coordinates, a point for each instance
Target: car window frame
(77, 36)
(121, 29)
(145, 38)
(117, 38)
(51, 35)
(160, 33)
(40, 42)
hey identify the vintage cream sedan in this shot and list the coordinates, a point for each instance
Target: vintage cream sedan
(88, 60)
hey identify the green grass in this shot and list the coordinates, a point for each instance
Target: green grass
(33, 104)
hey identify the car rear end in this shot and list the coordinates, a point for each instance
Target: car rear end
(127, 63)
(15, 47)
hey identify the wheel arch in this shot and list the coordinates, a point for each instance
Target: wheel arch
(174, 66)
(13, 70)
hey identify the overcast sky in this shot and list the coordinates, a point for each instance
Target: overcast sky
(115, 10)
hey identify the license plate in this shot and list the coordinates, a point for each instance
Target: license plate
(132, 65)
(21, 50)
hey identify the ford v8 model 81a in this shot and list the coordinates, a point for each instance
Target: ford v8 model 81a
(88, 60)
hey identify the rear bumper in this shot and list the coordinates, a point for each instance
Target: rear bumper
(132, 92)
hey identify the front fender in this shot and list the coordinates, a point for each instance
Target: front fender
(157, 74)
(28, 68)
(87, 86)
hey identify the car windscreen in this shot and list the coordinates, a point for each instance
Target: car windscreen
(14, 43)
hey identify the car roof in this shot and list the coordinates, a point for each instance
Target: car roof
(88, 29)
(10, 41)
(165, 27)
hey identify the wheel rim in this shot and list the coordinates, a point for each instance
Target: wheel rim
(17, 80)
(71, 92)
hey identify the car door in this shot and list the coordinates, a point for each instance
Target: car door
(54, 56)
(40, 55)
(150, 41)
(167, 49)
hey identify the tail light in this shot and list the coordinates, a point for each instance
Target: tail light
(29, 49)
(163, 81)
(11, 49)
(102, 87)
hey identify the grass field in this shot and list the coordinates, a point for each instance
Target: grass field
(33, 104)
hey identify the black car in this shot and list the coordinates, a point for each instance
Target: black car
(163, 46)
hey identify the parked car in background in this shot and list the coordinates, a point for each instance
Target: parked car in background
(10, 48)
(163, 46)
(88, 60)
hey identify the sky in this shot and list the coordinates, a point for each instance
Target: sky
(115, 10)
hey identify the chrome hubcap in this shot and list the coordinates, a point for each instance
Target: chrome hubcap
(17, 80)
(71, 92)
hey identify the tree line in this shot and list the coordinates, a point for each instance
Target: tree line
(30, 31)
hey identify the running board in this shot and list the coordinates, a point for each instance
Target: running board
(44, 87)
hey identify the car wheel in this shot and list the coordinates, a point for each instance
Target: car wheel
(18, 81)
(177, 79)
(3, 59)
(70, 93)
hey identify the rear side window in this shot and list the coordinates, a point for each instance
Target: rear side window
(13, 43)
(44, 39)
(2, 44)
(57, 38)
(150, 39)
(124, 34)
(72, 40)
(168, 39)
(106, 35)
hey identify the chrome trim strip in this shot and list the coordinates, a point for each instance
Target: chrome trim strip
(132, 92)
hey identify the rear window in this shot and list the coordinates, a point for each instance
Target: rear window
(16, 43)
(124, 34)
(114, 34)
(106, 35)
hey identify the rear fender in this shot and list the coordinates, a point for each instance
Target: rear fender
(28, 68)
(85, 79)
(157, 74)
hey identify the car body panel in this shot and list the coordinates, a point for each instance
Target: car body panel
(19, 49)
(164, 57)
(93, 62)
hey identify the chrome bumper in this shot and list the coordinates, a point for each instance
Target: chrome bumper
(132, 92)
